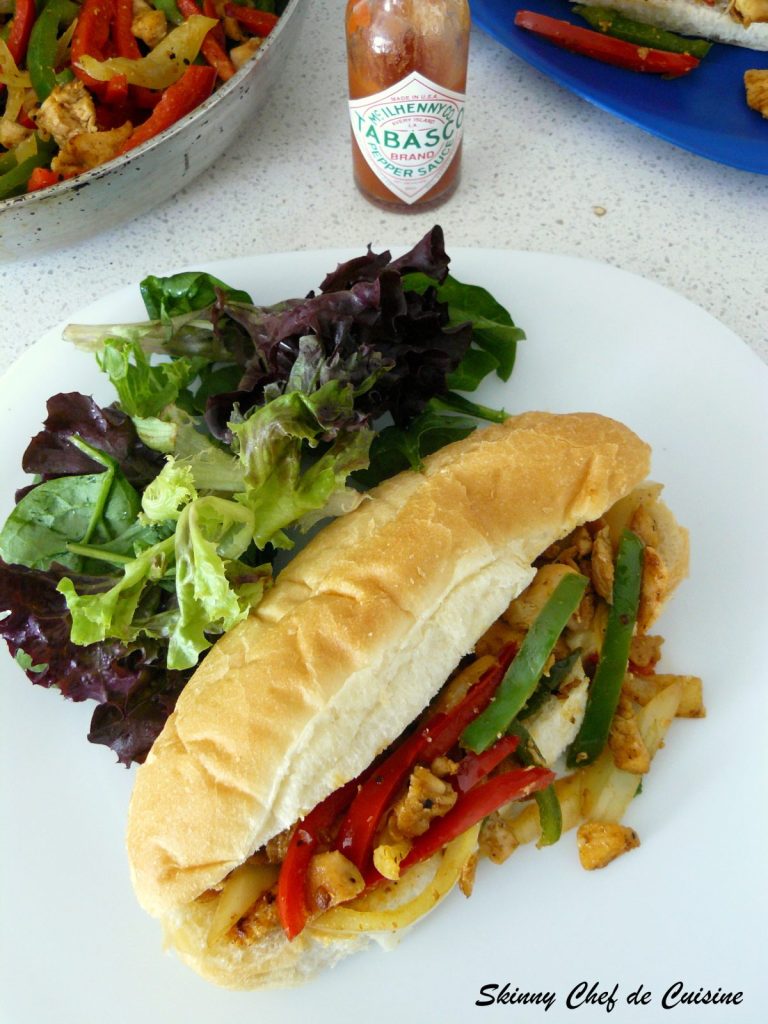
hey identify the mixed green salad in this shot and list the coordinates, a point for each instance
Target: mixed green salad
(152, 525)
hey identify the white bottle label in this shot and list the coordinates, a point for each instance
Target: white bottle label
(409, 133)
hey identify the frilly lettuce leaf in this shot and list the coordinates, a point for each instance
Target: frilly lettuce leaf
(212, 533)
(270, 442)
(143, 389)
(197, 561)
(166, 495)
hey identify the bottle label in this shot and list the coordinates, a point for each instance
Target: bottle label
(409, 133)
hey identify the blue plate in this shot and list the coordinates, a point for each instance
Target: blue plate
(704, 112)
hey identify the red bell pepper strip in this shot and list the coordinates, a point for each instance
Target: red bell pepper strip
(91, 38)
(292, 883)
(126, 46)
(474, 767)
(355, 839)
(260, 23)
(444, 730)
(21, 29)
(475, 805)
(194, 86)
(606, 48)
(116, 91)
(211, 49)
(217, 33)
(42, 177)
(434, 739)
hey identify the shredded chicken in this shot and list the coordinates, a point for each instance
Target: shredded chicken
(67, 112)
(332, 880)
(150, 26)
(388, 855)
(428, 797)
(585, 613)
(600, 842)
(756, 84)
(749, 11)
(499, 635)
(90, 149)
(459, 686)
(525, 608)
(261, 919)
(243, 53)
(277, 847)
(443, 767)
(601, 567)
(12, 133)
(626, 744)
(644, 525)
(654, 588)
(497, 841)
(645, 651)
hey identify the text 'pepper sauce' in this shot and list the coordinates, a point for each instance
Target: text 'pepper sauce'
(407, 62)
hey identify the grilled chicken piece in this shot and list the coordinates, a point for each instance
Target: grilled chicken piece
(748, 11)
(85, 151)
(600, 842)
(756, 84)
(67, 112)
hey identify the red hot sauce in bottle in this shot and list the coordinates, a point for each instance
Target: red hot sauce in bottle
(407, 62)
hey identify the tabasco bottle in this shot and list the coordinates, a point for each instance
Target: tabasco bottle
(407, 79)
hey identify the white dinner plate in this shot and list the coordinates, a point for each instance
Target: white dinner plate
(688, 906)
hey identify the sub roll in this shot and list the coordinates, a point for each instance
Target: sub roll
(736, 22)
(334, 766)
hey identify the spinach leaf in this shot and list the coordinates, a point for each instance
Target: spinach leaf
(493, 329)
(68, 509)
(165, 297)
(394, 448)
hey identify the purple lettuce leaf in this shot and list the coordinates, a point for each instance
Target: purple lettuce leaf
(363, 319)
(134, 691)
(50, 454)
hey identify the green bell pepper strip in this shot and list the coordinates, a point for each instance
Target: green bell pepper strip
(14, 182)
(614, 657)
(611, 23)
(550, 682)
(550, 812)
(523, 675)
(170, 10)
(41, 55)
(7, 162)
(550, 816)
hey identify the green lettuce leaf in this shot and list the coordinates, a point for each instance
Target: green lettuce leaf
(270, 444)
(214, 589)
(166, 495)
(144, 390)
(211, 533)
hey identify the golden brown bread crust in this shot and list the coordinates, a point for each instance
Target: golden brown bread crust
(359, 633)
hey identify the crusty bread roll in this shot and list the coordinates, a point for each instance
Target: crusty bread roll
(361, 630)
(695, 18)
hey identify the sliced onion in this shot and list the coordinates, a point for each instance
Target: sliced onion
(351, 920)
(240, 892)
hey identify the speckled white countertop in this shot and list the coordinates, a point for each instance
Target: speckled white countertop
(543, 170)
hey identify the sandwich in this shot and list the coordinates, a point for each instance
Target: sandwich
(737, 22)
(396, 706)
